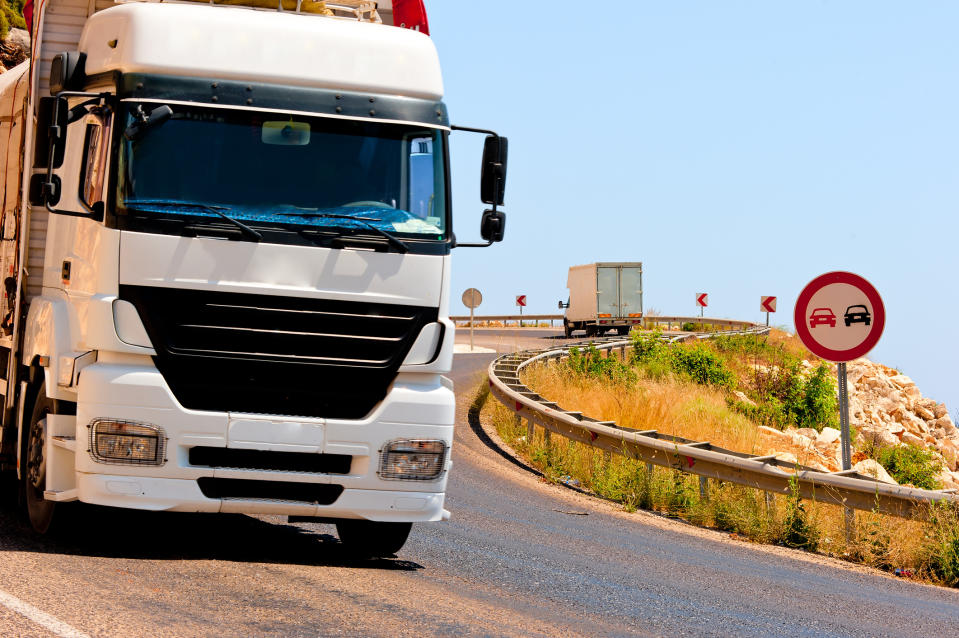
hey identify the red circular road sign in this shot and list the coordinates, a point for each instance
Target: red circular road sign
(839, 316)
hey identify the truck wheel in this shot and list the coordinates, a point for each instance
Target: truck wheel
(372, 538)
(622, 330)
(567, 329)
(34, 474)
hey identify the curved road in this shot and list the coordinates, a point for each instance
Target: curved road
(519, 557)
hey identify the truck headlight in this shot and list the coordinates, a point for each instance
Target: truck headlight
(126, 442)
(412, 460)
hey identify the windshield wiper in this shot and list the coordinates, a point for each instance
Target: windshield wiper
(246, 230)
(394, 241)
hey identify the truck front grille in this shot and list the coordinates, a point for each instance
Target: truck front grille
(314, 493)
(266, 354)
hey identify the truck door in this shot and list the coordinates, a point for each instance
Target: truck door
(631, 291)
(607, 292)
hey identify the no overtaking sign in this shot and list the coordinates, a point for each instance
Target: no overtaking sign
(839, 316)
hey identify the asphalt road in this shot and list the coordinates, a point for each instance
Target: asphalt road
(519, 557)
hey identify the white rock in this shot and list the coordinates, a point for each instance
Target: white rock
(743, 398)
(949, 480)
(828, 436)
(902, 381)
(912, 439)
(946, 424)
(869, 467)
(788, 457)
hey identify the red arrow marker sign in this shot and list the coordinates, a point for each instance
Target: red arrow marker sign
(521, 300)
(767, 304)
(702, 299)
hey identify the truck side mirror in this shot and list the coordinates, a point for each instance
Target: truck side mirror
(493, 225)
(493, 175)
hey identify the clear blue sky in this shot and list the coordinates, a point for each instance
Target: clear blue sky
(735, 148)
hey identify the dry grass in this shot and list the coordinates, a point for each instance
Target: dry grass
(683, 409)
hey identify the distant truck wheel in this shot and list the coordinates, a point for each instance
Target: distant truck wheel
(372, 538)
(622, 330)
(567, 329)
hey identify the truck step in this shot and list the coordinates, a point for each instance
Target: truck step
(61, 496)
(66, 442)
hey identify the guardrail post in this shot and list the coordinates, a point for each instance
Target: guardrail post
(530, 430)
(704, 488)
(770, 502)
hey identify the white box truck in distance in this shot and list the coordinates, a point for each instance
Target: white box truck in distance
(226, 244)
(604, 296)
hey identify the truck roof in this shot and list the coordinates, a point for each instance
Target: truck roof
(229, 42)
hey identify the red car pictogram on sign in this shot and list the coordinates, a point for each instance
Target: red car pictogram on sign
(822, 316)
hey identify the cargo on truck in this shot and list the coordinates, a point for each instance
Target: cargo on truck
(603, 296)
(226, 258)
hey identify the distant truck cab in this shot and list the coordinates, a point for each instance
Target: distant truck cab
(602, 297)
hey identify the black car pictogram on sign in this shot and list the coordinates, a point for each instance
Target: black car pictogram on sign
(857, 314)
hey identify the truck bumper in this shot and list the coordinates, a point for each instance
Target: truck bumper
(418, 406)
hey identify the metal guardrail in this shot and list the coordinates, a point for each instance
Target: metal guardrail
(766, 473)
(648, 322)
(505, 318)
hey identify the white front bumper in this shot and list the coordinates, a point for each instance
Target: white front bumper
(417, 406)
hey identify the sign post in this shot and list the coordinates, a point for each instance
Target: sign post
(702, 300)
(767, 305)
(521, 302)
(471, 299)
(839, 316)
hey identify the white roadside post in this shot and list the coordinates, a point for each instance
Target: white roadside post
(472, 298)
(839, 317)
(521, 302)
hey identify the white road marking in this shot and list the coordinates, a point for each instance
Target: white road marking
(42, 618)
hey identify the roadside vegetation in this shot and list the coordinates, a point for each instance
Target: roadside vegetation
(11, 16)
(719, 391)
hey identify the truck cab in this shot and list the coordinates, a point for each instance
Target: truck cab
(231, 265)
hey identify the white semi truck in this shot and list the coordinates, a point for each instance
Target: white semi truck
(602, 297)
(226, 250)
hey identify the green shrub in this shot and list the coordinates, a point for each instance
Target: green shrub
(911, 464)
(702, 364)
(941, 547)
(797, 531)
(786, 398)
(593, 364)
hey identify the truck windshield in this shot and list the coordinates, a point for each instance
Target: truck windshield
(276, 170)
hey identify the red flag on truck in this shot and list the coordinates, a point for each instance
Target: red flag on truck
(410, 14)
(28, 16)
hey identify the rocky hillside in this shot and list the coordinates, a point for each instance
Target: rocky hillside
(886, 409)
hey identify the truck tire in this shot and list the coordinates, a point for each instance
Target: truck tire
(567, 329)
(372, 538)
(40, 511)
